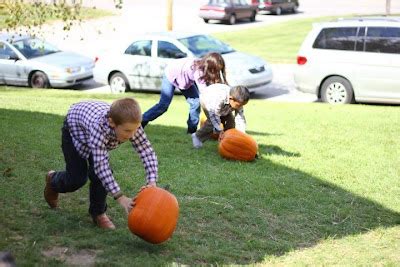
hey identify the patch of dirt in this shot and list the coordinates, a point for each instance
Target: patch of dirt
(84, 257)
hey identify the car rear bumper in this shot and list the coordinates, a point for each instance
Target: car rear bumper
(211, 14)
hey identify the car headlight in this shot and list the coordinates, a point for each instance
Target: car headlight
(72, 70)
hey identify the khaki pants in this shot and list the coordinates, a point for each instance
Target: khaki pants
(207, 130)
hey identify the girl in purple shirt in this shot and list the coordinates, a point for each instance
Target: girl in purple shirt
(189, 75)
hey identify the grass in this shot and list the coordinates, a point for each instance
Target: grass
(324, 192)
(86, 14)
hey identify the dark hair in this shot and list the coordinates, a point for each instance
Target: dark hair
(125, 110)
(240, 94)
(213, 67)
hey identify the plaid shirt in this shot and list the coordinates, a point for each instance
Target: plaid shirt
(92, 134)
(215, 99)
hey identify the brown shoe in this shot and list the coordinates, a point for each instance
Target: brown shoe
(103, 222)
(50, 195)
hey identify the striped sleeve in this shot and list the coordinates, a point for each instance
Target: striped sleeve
(149, 159)
(101, 161)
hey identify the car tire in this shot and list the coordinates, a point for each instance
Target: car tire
(253, 16)
(232, 19)
(206, 20)
(278, 11)
(119, 83)
(337, 90)
(295, 9)
(39, 79)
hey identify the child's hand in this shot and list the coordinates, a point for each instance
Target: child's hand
(141, 189)
(221, 135)
(126, 202)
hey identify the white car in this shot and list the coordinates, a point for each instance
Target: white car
(351, 60)
(140, 65)
(29, 61)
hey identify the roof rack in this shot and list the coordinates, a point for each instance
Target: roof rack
(383, 18)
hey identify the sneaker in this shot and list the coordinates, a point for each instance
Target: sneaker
(103, 222)
(50, 195)
(196, 141)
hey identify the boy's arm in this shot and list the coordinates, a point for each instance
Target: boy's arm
(149, 159)
(240, 120)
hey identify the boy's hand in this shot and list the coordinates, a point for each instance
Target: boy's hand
(141, 189)
(220, 136)
(126, 202)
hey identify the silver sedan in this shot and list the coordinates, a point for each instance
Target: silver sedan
(140, 65)
(29, 61)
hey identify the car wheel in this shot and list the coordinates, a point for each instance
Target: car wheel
(278, 11)
(118, 83)
(253, 17)
(206, 20)
(337, 90)
(39, 80)
(295, 9)
(232, 19)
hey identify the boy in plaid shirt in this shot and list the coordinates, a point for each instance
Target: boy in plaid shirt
(91, 129)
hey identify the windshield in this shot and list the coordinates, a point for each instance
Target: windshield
(32, 47)
(200, 45)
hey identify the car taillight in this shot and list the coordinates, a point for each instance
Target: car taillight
(301, 60)
(96, 59)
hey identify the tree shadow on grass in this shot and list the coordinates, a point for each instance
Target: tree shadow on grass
(230, 212)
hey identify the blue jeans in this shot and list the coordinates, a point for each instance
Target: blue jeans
(76, 175)
(167, 93)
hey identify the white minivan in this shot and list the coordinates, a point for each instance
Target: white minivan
(351, 60)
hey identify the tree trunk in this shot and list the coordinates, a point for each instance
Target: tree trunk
(388, 7)
(169, 15)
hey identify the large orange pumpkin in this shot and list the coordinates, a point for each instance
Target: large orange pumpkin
(154, 216)
(237, 145)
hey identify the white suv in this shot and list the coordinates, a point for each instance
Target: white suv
(351, 60)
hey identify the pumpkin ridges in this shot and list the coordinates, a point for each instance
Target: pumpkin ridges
(154, 216)
(238, 146)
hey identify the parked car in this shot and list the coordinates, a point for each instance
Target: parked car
(29, 61)
(351, 60)
(141, 64)
(228, 11)
(277, 7)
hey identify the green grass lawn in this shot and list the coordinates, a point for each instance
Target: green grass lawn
(86, 14)
(324, 192)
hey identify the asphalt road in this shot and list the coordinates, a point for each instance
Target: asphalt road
(137, 16)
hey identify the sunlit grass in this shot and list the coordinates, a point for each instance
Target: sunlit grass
(325, 190)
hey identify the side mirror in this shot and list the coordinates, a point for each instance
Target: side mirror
(14, 57)
(180, 55)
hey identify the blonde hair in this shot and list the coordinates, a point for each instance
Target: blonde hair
(125, 110)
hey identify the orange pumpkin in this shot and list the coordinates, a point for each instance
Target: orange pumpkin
(237, 145)
(154, 216)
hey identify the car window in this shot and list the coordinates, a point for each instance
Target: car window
(342, 38)
(140, 48)
(219, 2)
(6, 52)
(360, 39)
(383, 40)
(32, 47)
(169, 50)
(200, 45)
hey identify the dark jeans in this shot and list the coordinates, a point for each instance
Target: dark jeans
(76, 175)
(167, 93)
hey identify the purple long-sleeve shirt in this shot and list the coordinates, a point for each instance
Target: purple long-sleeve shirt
(91, 133)
(182, 73)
